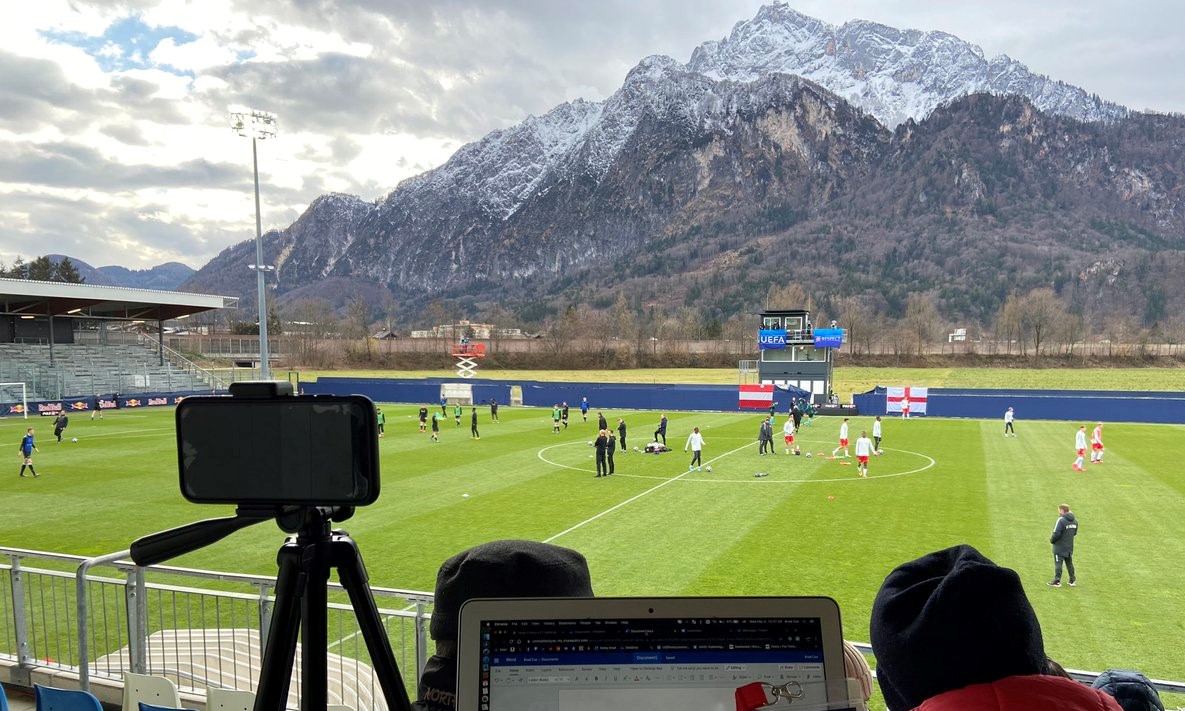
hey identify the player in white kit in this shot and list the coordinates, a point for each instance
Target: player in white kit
(1080, 445)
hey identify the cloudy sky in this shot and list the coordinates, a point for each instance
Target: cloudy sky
(115, 146)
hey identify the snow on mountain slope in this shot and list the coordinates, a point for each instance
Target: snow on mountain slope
(893, 74)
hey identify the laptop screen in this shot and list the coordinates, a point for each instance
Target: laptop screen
(644, 663)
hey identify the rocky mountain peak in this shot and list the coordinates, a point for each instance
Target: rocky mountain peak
(894, 74)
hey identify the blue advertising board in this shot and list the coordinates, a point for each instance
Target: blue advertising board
(771, 339)
(828, 337)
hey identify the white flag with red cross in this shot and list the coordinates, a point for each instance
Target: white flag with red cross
(896, 397)
(756, 397)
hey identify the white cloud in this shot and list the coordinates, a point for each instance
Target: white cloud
(194, 56)
(370, 92)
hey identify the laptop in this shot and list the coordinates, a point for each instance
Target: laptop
(647, 654)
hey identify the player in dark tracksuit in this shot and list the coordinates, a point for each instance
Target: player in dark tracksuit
(1062, 539)
(601, 443)
(473, 427)
(610, 446)
(602, 423)
(796, 413)
(662, 430)
(423, 419)
(621, 433)
(59, 425)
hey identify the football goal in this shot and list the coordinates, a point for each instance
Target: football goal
(14, 400)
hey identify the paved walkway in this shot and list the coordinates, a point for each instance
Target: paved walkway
(19, 699)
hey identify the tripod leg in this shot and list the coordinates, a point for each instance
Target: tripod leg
(275, 673)
(314, 639)
(352, 573)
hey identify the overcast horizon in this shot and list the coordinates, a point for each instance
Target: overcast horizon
(116, 143)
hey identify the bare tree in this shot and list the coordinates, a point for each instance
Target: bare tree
(1041, 311)
(855, 316)
(359, 319)
(1009, 322)
(921, 320)
(561, 330)
(786, 296)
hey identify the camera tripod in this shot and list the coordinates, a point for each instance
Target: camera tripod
(301, 599)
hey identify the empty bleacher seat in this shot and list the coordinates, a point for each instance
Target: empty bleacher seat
(53, 699)
(155, 690)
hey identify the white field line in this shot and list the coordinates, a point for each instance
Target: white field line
(632, 499)
(764, 481)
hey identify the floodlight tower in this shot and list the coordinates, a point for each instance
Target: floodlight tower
(257, 125)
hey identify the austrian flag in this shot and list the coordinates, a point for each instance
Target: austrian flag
(756, 397)
(916, 397)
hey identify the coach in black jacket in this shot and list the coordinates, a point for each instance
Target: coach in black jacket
(601, 444)
(1062, 539)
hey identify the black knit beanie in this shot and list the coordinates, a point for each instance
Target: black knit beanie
(505, 569)
(948, 620)
(1131, 689)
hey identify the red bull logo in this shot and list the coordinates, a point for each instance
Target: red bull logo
(79, 406)
(133, 403)
(158, 401)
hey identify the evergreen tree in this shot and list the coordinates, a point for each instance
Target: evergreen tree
(19, 269)
(41, 269)
(67, 272)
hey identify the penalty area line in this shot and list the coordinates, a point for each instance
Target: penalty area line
(634, 498)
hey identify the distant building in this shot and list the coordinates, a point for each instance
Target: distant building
(480, 331)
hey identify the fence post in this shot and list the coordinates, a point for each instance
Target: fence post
(84, 672)
(421, 639)
(20, 626)
(136, 601)
(265, 617)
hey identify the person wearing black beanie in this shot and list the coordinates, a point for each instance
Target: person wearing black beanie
(953, 630)
(496, 569)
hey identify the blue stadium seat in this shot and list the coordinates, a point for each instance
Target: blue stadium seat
(3, 699)
(52, 699)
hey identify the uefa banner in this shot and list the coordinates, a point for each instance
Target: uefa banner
(756, 397)
(895, 399)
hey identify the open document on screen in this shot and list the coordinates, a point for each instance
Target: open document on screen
(646, 664)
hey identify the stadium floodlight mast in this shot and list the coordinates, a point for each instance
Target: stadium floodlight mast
(257, 125)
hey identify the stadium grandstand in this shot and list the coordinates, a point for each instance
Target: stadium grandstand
(65, 341)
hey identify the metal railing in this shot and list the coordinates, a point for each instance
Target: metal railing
(202, 636)
(198, 628)
(186, 365)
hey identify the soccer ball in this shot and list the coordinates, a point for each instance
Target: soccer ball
(878, 452)
(808, 454)
(636, 449)
(590, 443)
(709, 468)
(73, 439)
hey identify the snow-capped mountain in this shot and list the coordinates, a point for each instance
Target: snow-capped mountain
(893, 74)
(786, 120)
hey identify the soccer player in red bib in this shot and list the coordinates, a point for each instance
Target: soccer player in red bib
(1096, 445)
(864, 450)
(788, 434)
(843, 440)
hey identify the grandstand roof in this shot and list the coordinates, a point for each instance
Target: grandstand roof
(41, 298)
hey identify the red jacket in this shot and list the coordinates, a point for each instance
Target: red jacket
(1023, 693)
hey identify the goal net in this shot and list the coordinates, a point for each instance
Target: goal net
(14, 400)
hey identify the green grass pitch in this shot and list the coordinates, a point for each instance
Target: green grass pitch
(810, 527)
